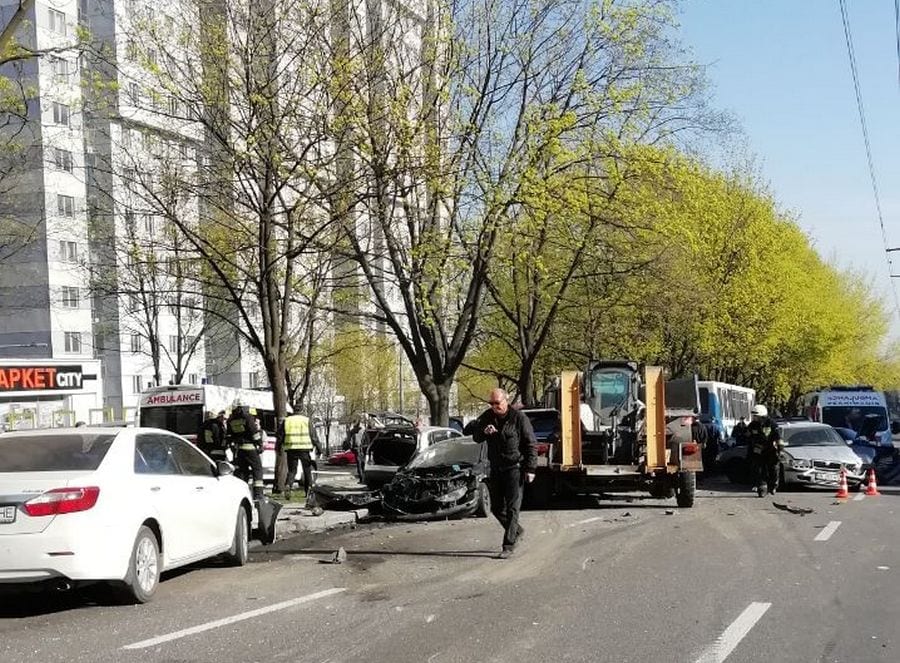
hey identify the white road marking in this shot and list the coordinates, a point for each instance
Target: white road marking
(828, 530)
(860, 497)
(585, 521)
(732, 636)
(231, 620)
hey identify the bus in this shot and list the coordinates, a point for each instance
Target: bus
(180, 408)
(722, 405)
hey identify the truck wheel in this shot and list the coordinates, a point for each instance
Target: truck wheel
(685, 488)
(483, 509)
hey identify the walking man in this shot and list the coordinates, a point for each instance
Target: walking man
(513, 459)
(763, 450)
(298, 437)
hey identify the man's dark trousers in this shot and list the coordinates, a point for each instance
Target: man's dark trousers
(293, 457)
(505, 487)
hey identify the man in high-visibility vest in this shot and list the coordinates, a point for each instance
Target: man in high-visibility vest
(243, 432)
(298, 437)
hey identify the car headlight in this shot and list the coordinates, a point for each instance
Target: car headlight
(798, 463)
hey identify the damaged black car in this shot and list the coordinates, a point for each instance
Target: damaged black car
(445, 480)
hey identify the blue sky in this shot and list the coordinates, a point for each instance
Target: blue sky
(781, 68)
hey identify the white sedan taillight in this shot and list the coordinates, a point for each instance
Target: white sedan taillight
(62, 500)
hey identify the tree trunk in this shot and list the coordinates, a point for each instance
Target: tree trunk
(438, 397)
(275, 372)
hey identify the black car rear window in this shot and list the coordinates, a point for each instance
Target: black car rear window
(54, 452)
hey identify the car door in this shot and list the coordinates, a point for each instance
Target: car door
(208, 507)
(159, 483)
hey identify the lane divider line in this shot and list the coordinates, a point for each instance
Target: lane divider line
(143, 644)
(828, 530)
(732, 636)
(860, 497)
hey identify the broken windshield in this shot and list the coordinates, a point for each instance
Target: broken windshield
(459, 451)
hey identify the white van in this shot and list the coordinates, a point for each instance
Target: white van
(860, 408)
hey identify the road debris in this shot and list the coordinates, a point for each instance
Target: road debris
(339, 557)
(793, 509)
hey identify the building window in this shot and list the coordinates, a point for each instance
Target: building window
(135, 342)
(173, 379)
(65, 205)
(149, 225)
(69, 297)
(60, 113)
(126, 137)
(129, 218)
(254, 380)
(173, 344)
(131, 50)
(174, 106)
(193, 379)
(134, 302)
(73, 342)
(137, 384)
(151, 56)
(68, 251)
(134, 91)
(57, 22)
(62, 159)
(60, 68)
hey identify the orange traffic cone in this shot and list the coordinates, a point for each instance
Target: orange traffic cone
(871, 488)
(843, 492)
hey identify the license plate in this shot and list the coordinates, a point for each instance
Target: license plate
(828, 476)
(7, 514)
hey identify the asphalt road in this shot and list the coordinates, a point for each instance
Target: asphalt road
(613, 580)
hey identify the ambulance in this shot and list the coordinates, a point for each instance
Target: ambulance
(860, 408)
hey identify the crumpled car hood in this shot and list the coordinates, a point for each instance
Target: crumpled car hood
(433, 491)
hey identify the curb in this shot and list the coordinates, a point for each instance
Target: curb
(297, 520)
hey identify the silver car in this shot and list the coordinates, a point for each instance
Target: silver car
(813, 455)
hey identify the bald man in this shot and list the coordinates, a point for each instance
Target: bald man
(513, 459)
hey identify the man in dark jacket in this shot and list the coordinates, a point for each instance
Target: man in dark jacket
(513, 458)
(211, 439)
(763, 450)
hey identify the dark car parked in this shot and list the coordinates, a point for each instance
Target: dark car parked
(447, 479)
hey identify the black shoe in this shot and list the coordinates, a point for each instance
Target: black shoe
(760, 492)
(506, 553)
(520, 532)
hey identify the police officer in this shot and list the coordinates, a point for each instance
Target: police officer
(512, 455)
(243, 433)
(763, 450)
(211, 439)
(297, 436)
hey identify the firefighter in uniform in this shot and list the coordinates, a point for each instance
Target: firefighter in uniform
(243, 433)
(212, 437)
(763, 450)
(298, 437)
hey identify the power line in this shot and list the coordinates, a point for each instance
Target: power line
(851, 54)
(897, 32)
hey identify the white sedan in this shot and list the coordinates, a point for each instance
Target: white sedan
(114, 504)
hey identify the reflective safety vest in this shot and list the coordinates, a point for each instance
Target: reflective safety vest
(296, 433)
(237, 429)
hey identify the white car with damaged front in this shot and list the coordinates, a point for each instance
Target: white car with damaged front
(814, 454)
(116, 505)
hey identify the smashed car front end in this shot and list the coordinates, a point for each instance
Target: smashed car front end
(434, 492)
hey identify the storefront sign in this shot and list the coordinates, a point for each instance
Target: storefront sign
(40, 378)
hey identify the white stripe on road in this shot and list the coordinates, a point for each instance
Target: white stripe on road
(828, 530)
(860, 497)
(585, 521)
(731, 638)
(231, 620)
